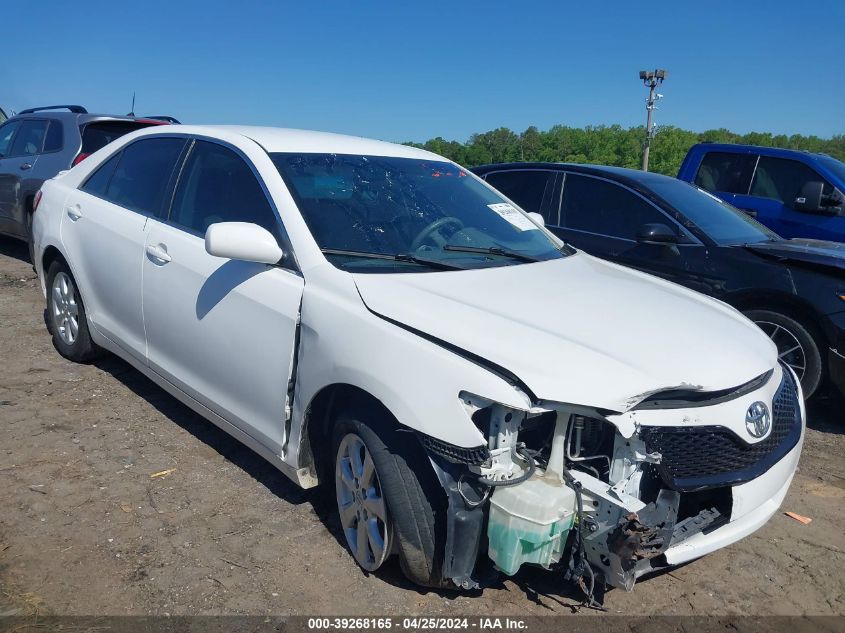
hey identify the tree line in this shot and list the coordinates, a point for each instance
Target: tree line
(610, 145)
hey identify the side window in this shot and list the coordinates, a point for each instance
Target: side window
(782, 179)
(598, 206)
(98, 182)
(29, 139)
(53, 141)
(216, 185)
(726, 172)
(526, 188)
(143, 172)
(7, 132)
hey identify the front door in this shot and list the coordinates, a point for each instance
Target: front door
(221, 330)
(777, 182)
(603, 218)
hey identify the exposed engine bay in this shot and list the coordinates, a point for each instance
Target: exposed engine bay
(564, 490)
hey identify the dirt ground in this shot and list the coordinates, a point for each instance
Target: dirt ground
(86, 530)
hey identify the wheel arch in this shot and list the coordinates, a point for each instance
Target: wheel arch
(787, 304)
(321, 415)
(53, 253)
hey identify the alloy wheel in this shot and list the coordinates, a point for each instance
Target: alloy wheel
(65, 308)
(790, 350)
(360, 504)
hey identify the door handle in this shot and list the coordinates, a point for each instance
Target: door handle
(750, 212)
(159, 252)
(74, 213)
(26, 166)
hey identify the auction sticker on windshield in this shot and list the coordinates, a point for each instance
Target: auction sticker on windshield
(513, 215)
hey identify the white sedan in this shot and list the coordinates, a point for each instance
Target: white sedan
(480, 395)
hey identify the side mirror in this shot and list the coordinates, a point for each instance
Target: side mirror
(810, 200)
(537, 217)
(656, 234)
(244, 241)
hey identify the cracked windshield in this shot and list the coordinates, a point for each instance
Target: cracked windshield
(385, 214)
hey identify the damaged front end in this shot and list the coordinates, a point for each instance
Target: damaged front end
(598, 496)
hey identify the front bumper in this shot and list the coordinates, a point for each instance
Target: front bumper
(754, 503)
(746, 493)
(836, 368)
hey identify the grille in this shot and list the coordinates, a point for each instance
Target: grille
(474, 455)
(701, 457)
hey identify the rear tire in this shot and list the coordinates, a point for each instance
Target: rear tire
(796, 346)
(30, 244)
(66, 315)
(416, 503)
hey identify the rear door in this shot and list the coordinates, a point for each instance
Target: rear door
(16, 172)
(221, 330)
(103, 228)
(7, 194)
(531, 189)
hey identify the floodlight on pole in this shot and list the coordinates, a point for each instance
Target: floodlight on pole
(651, 79)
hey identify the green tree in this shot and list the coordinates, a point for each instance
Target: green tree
(610, 145)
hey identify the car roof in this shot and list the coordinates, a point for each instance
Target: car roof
(632, 177)
(738, 148)
(275, 139)
(74, 116)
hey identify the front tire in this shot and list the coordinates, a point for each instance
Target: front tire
(414, 502)
(66, 313)
(796, 346)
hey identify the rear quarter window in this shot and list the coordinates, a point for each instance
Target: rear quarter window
(98, 182)
(142, 174)
(53, 140)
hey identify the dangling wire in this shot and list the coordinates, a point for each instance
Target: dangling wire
(578, 563)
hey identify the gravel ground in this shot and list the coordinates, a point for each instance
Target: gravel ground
(85, 529)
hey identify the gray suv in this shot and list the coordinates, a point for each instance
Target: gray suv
(38, 143)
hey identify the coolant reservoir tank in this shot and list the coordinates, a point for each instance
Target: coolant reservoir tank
(529, 523)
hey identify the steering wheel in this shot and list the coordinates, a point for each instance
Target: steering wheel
(433, 231)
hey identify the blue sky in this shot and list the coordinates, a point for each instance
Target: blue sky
(413, 70)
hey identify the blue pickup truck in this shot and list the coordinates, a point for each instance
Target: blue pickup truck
(794, 193)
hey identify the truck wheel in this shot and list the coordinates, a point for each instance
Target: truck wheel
(796, 346)
(388, 497)
(66, 313)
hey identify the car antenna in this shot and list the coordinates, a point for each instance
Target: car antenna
(132, 112)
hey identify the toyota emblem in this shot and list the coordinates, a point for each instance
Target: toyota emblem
(758, 421)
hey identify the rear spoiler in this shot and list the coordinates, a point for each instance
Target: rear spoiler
(76, 109)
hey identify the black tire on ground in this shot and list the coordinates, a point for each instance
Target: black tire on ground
(769, 321)
(82, 349)
(416, 503)
(29, 243)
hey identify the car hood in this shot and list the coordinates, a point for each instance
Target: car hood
(817, 252)
(578, 329)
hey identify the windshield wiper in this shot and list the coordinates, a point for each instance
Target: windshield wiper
(398, 257)
(491, 250)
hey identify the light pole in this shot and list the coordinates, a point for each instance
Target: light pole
(651, 79)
